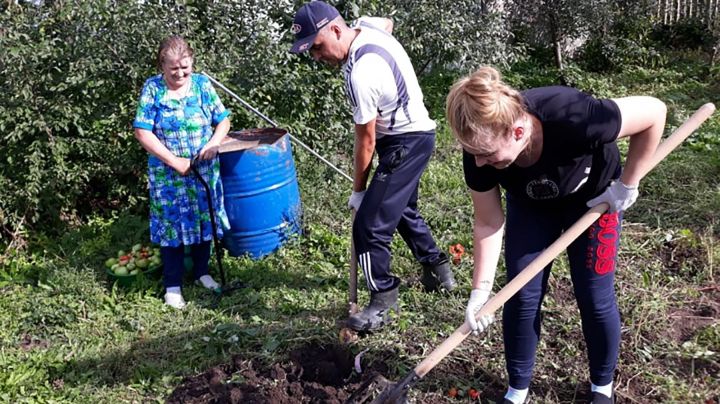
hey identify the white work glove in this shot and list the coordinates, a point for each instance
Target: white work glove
(355, 200)
(618, 195)
(478, 297)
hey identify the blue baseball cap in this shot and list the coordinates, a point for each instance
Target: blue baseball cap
(309, 19)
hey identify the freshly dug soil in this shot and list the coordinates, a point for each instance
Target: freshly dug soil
(314, 374)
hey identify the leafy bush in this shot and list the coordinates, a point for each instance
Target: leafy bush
(22, 268)
(689, 33)
(456, 34)
(72, 73)
(624, 40)
(69, 76)
(603, 54)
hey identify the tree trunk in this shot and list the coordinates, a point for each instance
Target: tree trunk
(555, 36)
(689, 9)
(708, 12)
(558, 55)
(709, 15)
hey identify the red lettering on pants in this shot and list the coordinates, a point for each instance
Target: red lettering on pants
(607, 243)
(604, 266)
(608, 220)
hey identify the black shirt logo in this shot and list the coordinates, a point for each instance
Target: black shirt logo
(542, 189)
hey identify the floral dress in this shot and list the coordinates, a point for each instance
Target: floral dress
(179, 212)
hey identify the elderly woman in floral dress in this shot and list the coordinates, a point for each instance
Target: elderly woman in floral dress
(179, 117)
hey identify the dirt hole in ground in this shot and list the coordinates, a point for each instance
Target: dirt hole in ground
(311, 374)
(325, 365)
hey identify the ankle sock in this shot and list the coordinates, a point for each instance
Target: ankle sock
(208, 282)
(605, 390)
(517, 396)
(173, 290)
(174, 298)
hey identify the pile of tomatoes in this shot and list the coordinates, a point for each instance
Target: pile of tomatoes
(139, 259)
(472, 394)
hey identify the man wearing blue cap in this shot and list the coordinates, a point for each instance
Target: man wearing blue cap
(390, 117)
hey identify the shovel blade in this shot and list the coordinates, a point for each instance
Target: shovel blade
(370, 391)
(391, 393)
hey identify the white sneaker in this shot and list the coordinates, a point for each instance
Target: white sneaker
(175, 300)
(208, 282)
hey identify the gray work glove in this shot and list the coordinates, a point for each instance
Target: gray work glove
(478, 297)
(618, 195)
(355, 200)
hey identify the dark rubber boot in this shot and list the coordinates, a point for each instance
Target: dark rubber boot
(377, 313)
(438, 275)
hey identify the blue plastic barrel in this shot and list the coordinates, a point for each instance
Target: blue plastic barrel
(262, 198)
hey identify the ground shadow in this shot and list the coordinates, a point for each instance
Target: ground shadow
(153, 358)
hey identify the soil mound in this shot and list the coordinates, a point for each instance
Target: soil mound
(313, 374)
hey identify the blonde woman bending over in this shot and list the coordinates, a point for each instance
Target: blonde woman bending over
(554, 151)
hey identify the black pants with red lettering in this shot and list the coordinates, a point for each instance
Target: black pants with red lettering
(592, 258)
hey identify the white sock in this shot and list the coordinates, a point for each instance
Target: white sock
(174, 298)
(208, 282)
(173, 290)
(517, 396)
(605, 390)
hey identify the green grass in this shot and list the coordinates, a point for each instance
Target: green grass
(67, 335)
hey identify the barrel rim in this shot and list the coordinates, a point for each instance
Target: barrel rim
(250, 138)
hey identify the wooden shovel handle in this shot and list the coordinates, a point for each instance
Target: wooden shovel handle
(492, 305)
(352, 298)
(682, 133)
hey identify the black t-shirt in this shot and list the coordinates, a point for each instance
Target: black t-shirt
(579, 155)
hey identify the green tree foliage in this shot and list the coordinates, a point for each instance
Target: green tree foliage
(625, 38)
(456, 34)
(45, 111)
(558, 27)
(71, 73)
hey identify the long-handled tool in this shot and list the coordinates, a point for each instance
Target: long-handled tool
(224, 287)
(347, 334)
(352, 295)
(396, 393)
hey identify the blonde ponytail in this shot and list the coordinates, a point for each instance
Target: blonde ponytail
(481, 108)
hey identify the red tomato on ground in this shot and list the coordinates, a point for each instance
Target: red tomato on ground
(473, 394)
